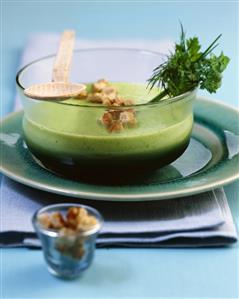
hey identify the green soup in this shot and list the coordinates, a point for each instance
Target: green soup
(69, 139)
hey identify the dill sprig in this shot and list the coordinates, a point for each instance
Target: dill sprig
(188, 68)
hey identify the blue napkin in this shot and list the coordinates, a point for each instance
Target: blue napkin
(199, 220)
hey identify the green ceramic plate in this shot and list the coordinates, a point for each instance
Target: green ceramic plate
(211, 160)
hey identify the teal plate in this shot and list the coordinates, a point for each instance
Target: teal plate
(210, 161)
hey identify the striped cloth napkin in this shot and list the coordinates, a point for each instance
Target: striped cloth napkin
(199, 220)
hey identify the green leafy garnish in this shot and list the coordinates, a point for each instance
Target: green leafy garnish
(188, 68)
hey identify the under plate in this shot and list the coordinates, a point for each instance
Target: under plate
(210, 161)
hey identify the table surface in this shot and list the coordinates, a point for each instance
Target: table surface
(125, 273)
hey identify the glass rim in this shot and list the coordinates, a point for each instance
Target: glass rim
(54, 232)
(159, 103)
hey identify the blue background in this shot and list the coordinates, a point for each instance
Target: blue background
(125, 273)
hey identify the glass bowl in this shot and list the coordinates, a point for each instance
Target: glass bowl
(69, 140)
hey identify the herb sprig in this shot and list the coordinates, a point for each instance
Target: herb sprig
(188, 68)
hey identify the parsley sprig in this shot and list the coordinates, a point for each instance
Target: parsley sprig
(188, 68)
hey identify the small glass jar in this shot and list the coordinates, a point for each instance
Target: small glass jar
(67, 255)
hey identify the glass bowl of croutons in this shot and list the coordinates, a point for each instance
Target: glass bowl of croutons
(112, 128)
(68, 235)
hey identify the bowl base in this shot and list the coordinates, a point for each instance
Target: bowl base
(129, 172)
